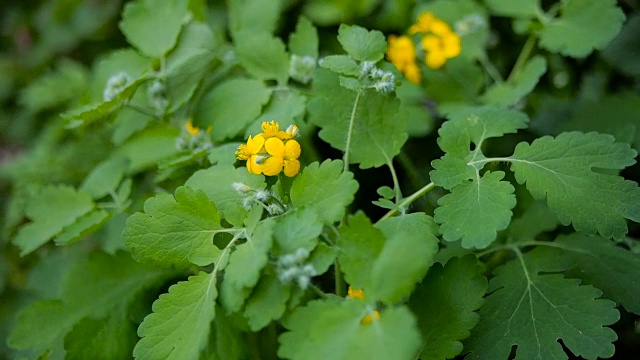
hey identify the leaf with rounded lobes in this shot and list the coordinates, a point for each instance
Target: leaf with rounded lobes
(445, 305)
(341, 64)
(359, 244)
(174, 231)
(563, 170)
(217, 182)
(298, 228)
(533, 311)
(105, 177)
(517, 9)
(585, 25)
(230, 106)
(180, 323)
(51, 210)
(153, 26)
(362, 44)
(267, 302)
(304, 41)
(601, 263)
(332, 329)
(325, 188)
(378, 129)
(476, 210)
(264, 56)
(406, 256)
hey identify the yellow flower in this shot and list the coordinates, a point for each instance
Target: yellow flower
(194, 130)
(439, 41)
(359, 294)
(283, 154)
(253, 153)
(272, 151)
(368, 319)
(402, 54)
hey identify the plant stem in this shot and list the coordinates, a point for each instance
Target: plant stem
(396, 183)
(317, 291)
(524, 55)
(410, 199)
(490, 69)
(352, 120)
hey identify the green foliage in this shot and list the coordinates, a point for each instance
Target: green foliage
(179, 326)
(139, 221)
(530, 310)
(561, 170)
(445, 305)
(338, 333)
(184, 225)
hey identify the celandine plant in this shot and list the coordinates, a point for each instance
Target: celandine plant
(198, 198)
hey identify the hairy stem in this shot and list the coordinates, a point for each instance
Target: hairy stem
(396, 183)
(352, 120)
(524, 55)
(410, 199)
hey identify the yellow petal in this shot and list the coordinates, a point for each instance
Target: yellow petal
(291, 167)
(355, 294)
(369, 318)
(252, 165)
(254, 145)
(435, 59)
(272, 166)
(431, 42)
(291, 150)
(439, 27)
(451, 46)
(275, 147)
(412, 73)
(192, 129)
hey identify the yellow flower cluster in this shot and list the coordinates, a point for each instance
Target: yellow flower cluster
(359, 294)
(194, 130)
(438, 41)
(272, 151)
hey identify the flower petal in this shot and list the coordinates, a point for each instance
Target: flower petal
(254, 145)
(291, 150)
(275, 147)
(291, 167)
(272, 166)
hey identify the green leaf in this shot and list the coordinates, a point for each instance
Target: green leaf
(533, 310)
(360, 244)
(105, 177)
(332, 330)
(476, 210)
(82, 226)
(174, 232)
(446, 304)
(217, 181)
(88, 114)
(341, 64)
(148, 148)
(362, 44)
(325, 188)
(67, 83)
(189, 62)
(262, 55)
(562, 170)
(516, 9)
(322, 257)
(98, 287)
(584, 25)
(405, 258)
(231, 106)
(601, 263)
(267, 302)
(476, 124)
(153, 26)
(511, 92)
(180, 323)
(254, 15)
(304, 40)
(112, 337)
(536, 219)
(298, 228)
(50, 210)
(285, 107)
(378, 130)
(245, 264)
(625, 48)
